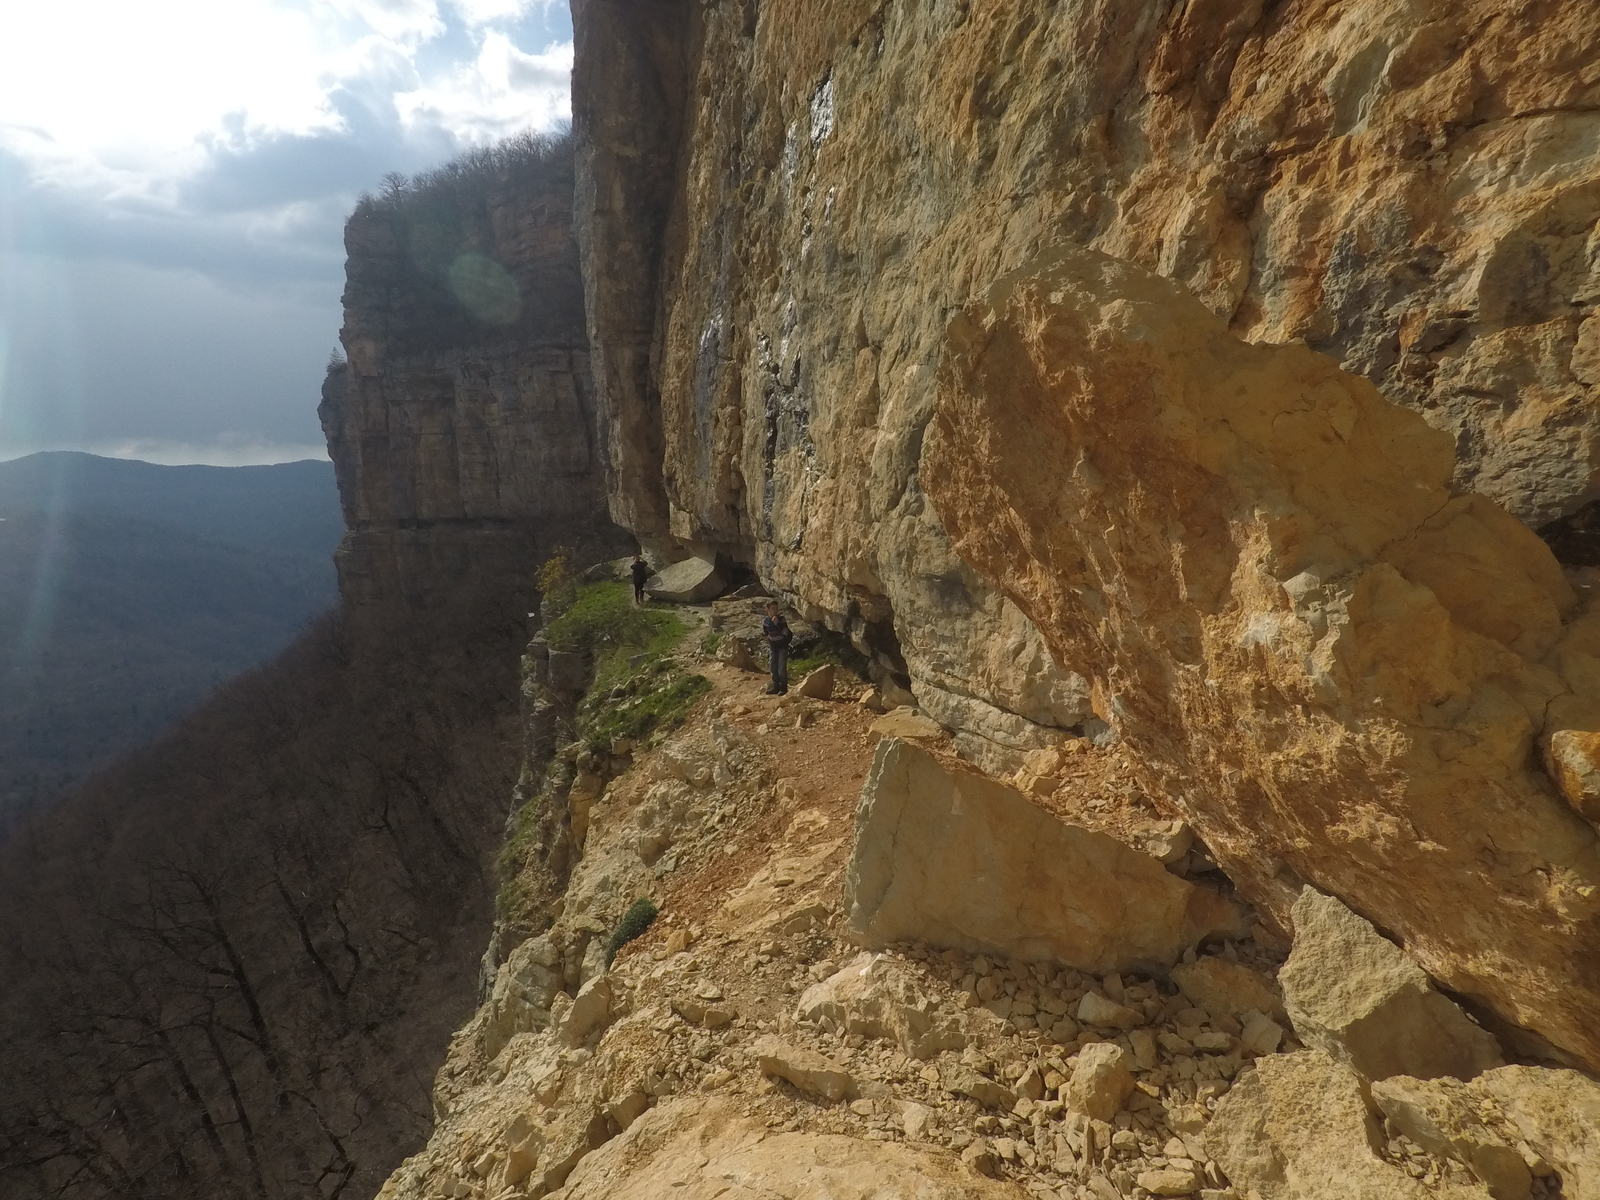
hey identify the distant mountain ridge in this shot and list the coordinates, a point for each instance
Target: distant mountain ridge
(288, 506)
(129, 590)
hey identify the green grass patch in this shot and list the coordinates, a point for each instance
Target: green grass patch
(641, 913)
(830, 647)
(603, 620)
(650, 699)
(709, 643)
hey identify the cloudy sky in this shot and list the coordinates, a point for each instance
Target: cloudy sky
(174, 178)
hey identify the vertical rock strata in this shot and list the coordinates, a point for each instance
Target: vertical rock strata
(1339, 669)
(780, 203)
(462, 427)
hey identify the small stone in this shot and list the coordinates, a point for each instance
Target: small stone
(1261, 1034)
(1064, 1030)
(1095, 1009)
(1125, 1141)
(985, 1091)
(1170, 1181)
(1143, 1042)
(818, 684)
(1031, 1085)
(982, 1159)
(590, 1010)
(807, 1070)
(1006, 1148)
(1101, 1081)
(1227, 988)
(1356, 995)
(914, 1120)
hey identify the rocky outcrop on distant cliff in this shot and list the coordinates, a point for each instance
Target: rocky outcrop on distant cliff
(780, 205)
(463, 426)
(1341, 672)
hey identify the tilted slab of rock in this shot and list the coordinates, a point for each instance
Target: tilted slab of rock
(1295, 1127)
(1353, 993)
(698, 1149)
(948, 856)
(686, 582)
(1339, 670)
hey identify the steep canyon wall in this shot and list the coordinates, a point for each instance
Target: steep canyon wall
(783, 207)
(462, 425)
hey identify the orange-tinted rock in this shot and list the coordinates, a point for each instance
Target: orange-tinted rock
(1260, 562)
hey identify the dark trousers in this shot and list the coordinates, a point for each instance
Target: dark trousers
(780, 667)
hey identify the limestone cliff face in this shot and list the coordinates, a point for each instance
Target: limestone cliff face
(462, 427)
(780, 204)
(782, 208)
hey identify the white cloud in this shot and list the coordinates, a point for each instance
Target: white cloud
(124, 99)
(504, 90)
(486, 12)
(405, 21)
(174, 177)
(229, 450)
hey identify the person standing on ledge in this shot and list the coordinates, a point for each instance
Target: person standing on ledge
(779, 635)
(641, 576)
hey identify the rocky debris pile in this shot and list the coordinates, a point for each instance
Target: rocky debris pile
(1304, 1126)
(760, 1032)
(943, 854)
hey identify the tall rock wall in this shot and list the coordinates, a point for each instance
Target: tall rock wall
(462, 426)
(781, 204)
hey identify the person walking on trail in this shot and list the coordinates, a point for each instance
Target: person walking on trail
(641, 576)
(778, 635)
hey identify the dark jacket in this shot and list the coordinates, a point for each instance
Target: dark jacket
(641, 574)
(777, 631)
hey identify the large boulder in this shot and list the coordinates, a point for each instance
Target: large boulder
(1296, 1127)
(945, 855)
(1355, 994)
(691, 581)
(1339, 669)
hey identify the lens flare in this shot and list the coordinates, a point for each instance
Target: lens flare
(485, 288)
